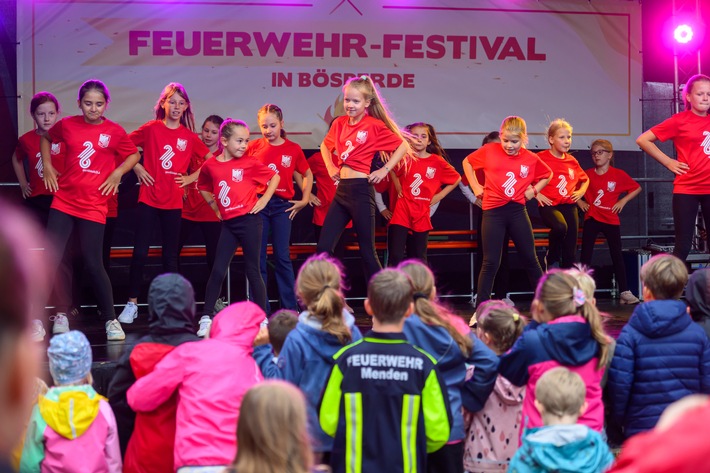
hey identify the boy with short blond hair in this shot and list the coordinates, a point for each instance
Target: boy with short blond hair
(661, 354)
(384, 394)
(562, 444)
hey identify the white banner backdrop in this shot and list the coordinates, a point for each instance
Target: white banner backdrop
(459, 65)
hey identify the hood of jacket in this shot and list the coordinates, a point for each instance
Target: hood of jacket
(171, 307)
(660, 318)
(508, 393)
(323, 343)
(238, 324)
(70, 410)
(565, 448)
(568, 340)
(697, 293)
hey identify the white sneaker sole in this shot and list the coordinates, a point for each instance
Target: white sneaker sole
(116, 337)
(127, 319)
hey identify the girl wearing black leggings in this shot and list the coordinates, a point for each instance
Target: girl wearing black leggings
(558, 201)
(229, 183)
(512, 175)
(602, 207)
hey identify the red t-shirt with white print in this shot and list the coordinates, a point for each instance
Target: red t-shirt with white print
(166, 154)
(604, 191)
(357, 144)
(28, 148)
(507, 177)
(92, 152)
(234, 183)
(325, 187)
(283, 159)
(421, 179)
(195, 207)
(566, 176)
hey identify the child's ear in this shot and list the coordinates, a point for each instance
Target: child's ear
(368, 308)
(583, 409)
(646, 293)
(410, 310)
(538, 405)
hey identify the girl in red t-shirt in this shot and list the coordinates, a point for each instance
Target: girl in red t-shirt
(229, 184)
(196, 214)
(602, 205)
(94, 146)
(169, 144)
(512, 175)
(365, 129)
(690, 132)
(558, 201)
(27, 160)
(425, 182)
(286, 158)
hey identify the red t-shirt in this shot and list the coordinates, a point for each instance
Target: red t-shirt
(234, 183)
(92, 152)
(325, 187)
(691, 136)
(421, 180)
(195, 207)
(357, 144)
(566, 176)
(283, 159)
(507, 177)
(166, 154)
(28, 148)
(604, 191)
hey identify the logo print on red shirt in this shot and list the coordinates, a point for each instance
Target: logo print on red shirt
(361, 137)
(706, 143)
(104, 140)
(237, 175)
(85, 156)
(224, 191)
(165, 159)
(285, 160)
(181, 144)
(610, 186)
(523, 171)
(430, 172)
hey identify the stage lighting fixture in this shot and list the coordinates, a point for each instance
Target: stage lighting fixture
(683, 34)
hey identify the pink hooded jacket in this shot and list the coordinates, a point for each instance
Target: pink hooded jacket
(211, 377)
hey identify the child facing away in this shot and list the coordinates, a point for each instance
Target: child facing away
(566, 331)
(385, 402)
(272, 433)
(697, 295)
(323, 329)
(492, 432)
(211, 377)
(281, 323)
(72, 428)
(562, 445)
(661, 354)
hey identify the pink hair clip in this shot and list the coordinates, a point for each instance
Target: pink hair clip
(579, 297)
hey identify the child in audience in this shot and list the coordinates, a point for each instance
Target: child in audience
(323, 329)
(562, 444)
(697, 295)
(272, 432)
(280, 325)
(385, 402)
(661, 355)
(448, 339)
(148, 439)
(72, 428)
(566, 331)
(492, 432)
(210, 378)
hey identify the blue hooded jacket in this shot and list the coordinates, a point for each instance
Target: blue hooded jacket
(306, 361)
(451, 363)
(661, 356)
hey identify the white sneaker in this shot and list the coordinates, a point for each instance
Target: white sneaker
(205, 324)
(114, 332)
(627, 297)
(38, 331)
(129, 313)
(61, 323)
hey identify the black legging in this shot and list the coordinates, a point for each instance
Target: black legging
(398, 237)
(245, 231)
(513, 219)
(612, 233)
(563, 221)
(354, 199)
(501, 284)
(210, 234)
(146, 218)
(685, 210)
(91, 237)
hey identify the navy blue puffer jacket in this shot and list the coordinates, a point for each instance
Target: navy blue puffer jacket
(661, 356)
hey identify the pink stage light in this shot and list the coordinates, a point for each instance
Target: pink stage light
(683, 34)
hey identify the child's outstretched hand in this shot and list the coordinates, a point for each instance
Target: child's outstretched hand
(262, 338)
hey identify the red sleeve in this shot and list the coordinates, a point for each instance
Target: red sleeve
(542, 170)
(477, 159)
(448, 173)
(315, 162)
(199, 149)
(580, 172)
(20, 154)
(204, 180)
(125, 147)
(56, 133)
(262, 173)
(301, 164)
(387, 140)
(138, 136)
(329, 140)
(627, 183)
(666, 129)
